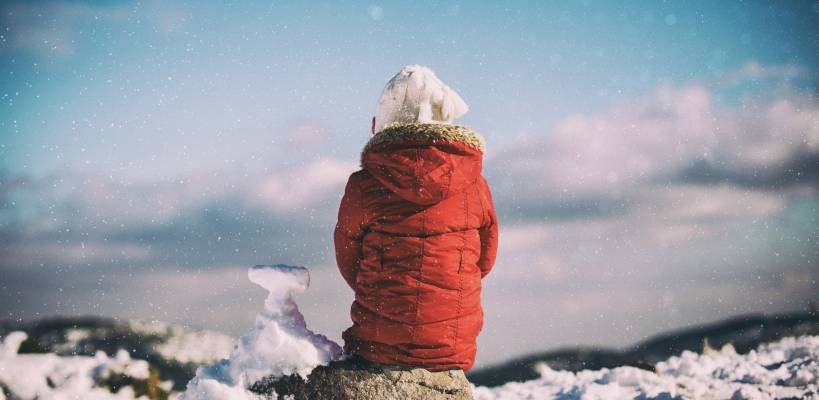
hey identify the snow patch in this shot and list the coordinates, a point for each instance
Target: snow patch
(183, 345)
(195, 347)
(279, 344)
(48, 376)
(788, 368)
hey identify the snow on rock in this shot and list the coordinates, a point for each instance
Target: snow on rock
(49, 376)
(785, 369)
(279, 344)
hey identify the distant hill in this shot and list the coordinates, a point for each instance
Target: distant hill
(744, 332)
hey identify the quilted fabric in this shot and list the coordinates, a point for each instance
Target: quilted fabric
(416, 233)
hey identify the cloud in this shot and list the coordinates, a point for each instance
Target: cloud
(301, 187)
(771, 144)
(678, 255)
(782, 75)
(206, 220)
(52, 29)
(170, 17)
(305, 133)
(49, 29)
(375, 12)
(672, 131)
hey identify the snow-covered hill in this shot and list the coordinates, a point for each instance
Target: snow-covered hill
(786, 369)
(49, 376)
(744, 333)
(172, 352)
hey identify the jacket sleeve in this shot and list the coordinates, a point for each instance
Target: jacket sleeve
(488, 233)
(349, 232)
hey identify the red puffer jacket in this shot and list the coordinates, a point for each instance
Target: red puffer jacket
(416, 232)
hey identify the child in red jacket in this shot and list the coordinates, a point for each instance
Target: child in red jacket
(417, 230)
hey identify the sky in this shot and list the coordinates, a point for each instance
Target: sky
(655, 165)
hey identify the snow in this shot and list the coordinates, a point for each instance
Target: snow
(184, 345)
(73, 337)
(784, 369)
(196, 347)
(279, 344)
(48, 376)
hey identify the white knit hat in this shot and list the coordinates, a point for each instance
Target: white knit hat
(415, 94)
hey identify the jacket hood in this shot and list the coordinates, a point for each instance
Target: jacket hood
(424, 162)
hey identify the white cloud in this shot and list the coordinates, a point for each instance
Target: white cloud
(753, 70)
(52, 29)
(302, 186)
(661, 134)
(107, 203)
(49, 29)
(694, 203)
(80, 253)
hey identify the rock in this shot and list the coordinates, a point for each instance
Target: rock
(356, 378)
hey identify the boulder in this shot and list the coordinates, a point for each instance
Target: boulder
(356, 378)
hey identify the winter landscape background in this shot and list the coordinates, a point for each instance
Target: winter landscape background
(654, 165)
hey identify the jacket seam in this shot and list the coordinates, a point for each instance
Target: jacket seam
(450, 174)
(484, 207)
(417, 190)
(360, 204)
(460, 275)
(362, 219)
(381, 252)
(379, 293)
(420, 277)
(421, 259)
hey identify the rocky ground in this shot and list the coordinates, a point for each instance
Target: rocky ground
(358, 379)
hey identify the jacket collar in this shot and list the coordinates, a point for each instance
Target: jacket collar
(425, 132)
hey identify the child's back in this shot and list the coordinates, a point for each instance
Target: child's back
(417, 231)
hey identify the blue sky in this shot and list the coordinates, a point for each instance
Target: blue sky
(143, 74)
(654, 163)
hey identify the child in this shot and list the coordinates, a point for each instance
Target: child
(417, 230)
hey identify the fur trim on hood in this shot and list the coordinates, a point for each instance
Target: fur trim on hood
(425, 132)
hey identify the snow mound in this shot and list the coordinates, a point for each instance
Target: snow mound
(788, 368)
(48, 376)
(279, 344)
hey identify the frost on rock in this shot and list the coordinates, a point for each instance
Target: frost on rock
(279, 344)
